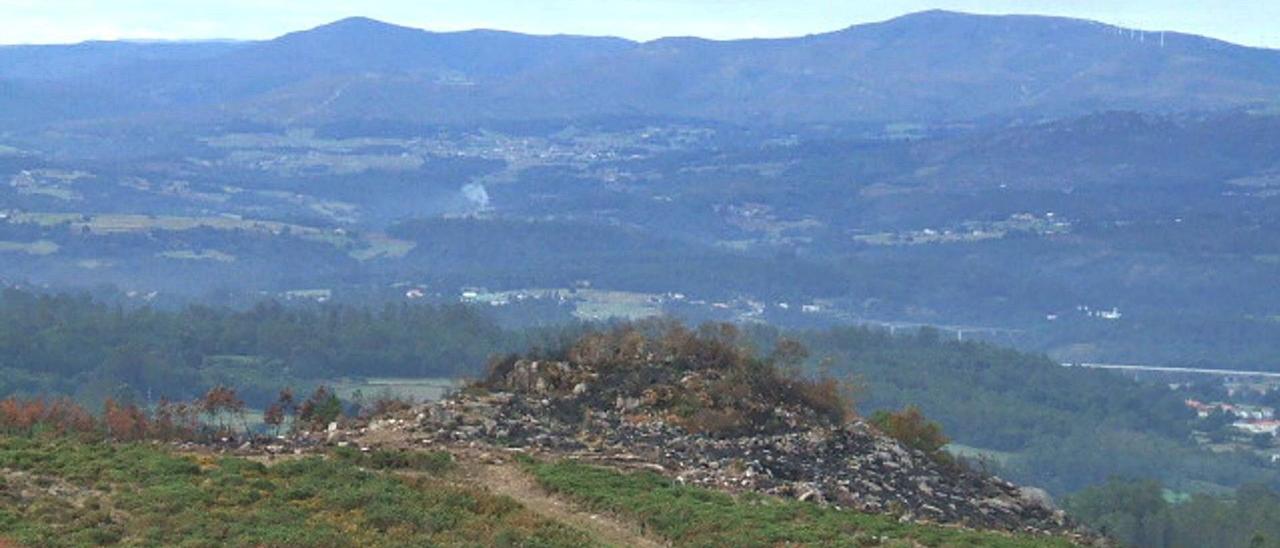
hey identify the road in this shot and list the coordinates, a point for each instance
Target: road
(1188, 370)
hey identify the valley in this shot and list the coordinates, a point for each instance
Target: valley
(367, 284)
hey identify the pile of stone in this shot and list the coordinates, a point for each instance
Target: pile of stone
(539, 407)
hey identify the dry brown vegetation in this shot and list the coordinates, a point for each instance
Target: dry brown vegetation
(220, 413)
(63, 416)
(707, 379)
(913, 429)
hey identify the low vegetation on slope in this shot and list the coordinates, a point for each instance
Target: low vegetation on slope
(66, 493)
(60, 492)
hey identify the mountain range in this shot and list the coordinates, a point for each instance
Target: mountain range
(938, 168)
(928, 67)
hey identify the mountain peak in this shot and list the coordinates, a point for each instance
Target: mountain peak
(353, 28)
(939, 16)
(937, 13)
(357, 22)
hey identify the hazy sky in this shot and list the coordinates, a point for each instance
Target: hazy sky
(1250, 22)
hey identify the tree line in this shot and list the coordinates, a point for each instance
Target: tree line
(74, 345)
(220, 414)
(1141, 513)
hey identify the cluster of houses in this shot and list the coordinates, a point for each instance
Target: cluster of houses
(1251, 419)
(744, 309)
(1090, 312)
(1113, 314)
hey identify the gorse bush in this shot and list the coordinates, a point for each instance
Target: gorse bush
(433, 462)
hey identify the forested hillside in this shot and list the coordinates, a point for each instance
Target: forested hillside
(1139, 513)
(1056, 427)
(1040, 423)
(63, 344)
(901, 69)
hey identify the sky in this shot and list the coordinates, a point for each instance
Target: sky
(1248, 22)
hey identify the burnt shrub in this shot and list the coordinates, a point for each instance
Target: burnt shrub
(911, 428)
(709, 380)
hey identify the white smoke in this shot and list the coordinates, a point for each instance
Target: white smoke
(477, 195)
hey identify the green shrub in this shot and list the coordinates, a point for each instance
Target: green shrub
(433, 462)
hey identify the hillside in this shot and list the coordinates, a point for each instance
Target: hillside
(927, 67)
(957, 280)
(675, 437)
(56, 492)
(931, 66)
(1026, 409)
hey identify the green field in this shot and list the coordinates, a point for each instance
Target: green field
(416, 389)
(203, 255)
(362, 247)
(604, 305)
(39, 247)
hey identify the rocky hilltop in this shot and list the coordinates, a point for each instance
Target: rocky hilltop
(697, 407)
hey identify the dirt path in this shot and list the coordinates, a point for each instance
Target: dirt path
(509, 480)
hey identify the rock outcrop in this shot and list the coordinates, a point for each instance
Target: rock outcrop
(568, 410)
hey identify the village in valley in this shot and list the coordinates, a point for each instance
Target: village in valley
(1224, 426)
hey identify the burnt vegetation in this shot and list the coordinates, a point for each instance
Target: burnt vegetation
(220, 416)
(707, 380)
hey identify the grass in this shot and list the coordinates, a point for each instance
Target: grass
(381, 246)
(59, 492)
(597, 304)
(203, 255)
(433, 462)
(689, 516)
(63, 492)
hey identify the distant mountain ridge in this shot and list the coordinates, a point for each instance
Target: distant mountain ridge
(933, 66)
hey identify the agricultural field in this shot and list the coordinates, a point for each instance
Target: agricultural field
(420, 389)
(596, 304)
(39, 247)
(202, 255)
(361, 246)
(589, 304)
